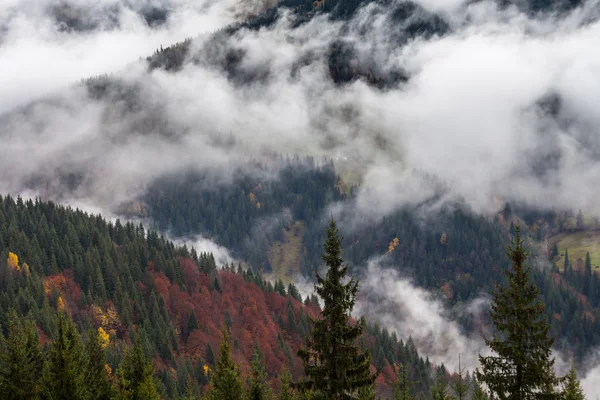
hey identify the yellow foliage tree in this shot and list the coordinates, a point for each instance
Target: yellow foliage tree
(393, 244)
(103, 337)
(60, 304)
(13, 261)
(252, 197)
(258, 205)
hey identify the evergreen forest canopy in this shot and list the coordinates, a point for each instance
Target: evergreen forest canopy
(45, 307)
(92, 309)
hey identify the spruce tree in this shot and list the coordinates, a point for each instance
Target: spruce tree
(20, 360)
(459, 384)
(571, 387)
(192, 324)
(225, 380)
(403, 386)
(63, 377)
(135, 375)
(521, 368)
(96, 376)
(258, 387)
(286, 392)
(335, 367)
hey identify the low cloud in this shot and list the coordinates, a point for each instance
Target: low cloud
(394, 302)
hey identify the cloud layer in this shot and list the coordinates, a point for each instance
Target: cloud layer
(505, 105)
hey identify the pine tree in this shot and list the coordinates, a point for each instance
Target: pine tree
(225, 380)
(402, 387)
(522, 368)
(478, 393)
(20, 360)
(439, 391)
(286, 392)
(63, 377)
(571, 387)
(192, 323)
(210, 354)
(258, 387)
(459, 385)
(567, 263)
(96, 377)
(333, 364)
(135, 375)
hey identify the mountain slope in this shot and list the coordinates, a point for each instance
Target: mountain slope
(124, 279)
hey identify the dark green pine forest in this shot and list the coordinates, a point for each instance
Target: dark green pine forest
(451, 251)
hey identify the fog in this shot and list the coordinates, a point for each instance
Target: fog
(503, 105)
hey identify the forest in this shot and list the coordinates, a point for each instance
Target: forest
(93, 310)
(451, 251)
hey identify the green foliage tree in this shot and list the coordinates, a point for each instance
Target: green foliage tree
(135, 375)
(571, 387)
(225, 380)
(439, 391)
(402, 387)
(522, 368)
(459, 384)
(97, 382)
(334, 365)
(286, 392)
(192, 323)
(63, 376)
(20, 360)
(258, 385)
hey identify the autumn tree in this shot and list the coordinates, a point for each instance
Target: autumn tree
(63, 377)
(13, 261)
(334, 365)
(571, 387)
(521, 368)
(225, 379)
(20, 360)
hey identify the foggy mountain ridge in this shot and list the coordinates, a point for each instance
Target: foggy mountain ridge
(493, 99)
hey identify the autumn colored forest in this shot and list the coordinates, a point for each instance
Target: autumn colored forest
(123, 282)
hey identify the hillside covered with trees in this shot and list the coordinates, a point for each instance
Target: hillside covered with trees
(123, 285)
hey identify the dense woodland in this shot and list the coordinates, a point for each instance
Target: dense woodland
(72, 330)
(136, 286)
(452, 251)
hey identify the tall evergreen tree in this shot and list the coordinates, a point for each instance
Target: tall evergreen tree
(459, 384)
(403, 386)
(20, 360)
(96, 376)
(225, 379)
(521, 368)
(286, 392)
(571, 387)
(135, 375)
(63, 377)
(258, 387)
(334, 365)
